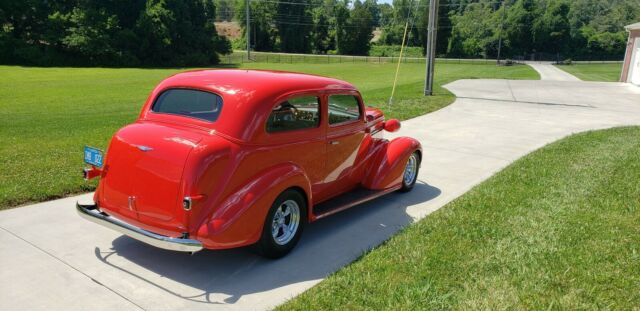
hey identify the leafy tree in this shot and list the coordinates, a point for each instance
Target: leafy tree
(341, 26)
(403, 11)
(374, 9)
(263, 33)
(225, 10)
(518, 28)
(597, 26)
(551, 31)
(362, 25)
(181, 32)
(322, 32)
(24, 24)
(386, 15)
(294, 26)
(603, 43)
(474, 33)
(90, 31)
(154, 30)
(354, 28)
(110, 32)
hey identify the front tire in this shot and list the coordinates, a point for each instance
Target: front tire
(284, 224)
(410, 174)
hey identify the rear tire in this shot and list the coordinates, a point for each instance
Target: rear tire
(410, 174)
(284, 224)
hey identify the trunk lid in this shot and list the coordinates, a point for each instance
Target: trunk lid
(144, 169)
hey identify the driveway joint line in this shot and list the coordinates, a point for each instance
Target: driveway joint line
(528, 102)
(70, 266)
(511, 91)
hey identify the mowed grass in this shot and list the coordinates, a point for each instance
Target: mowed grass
(48, 114)
(595, 72)
(557, 230)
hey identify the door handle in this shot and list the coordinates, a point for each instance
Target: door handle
(334, 142)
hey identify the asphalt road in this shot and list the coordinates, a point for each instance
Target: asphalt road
(50, 258)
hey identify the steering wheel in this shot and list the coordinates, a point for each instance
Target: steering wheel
(287, 107)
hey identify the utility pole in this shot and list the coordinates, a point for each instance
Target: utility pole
(248, 27)
(504, 9)
(431, 46)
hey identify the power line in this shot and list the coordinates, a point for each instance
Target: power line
(415, 27)
(394, 6)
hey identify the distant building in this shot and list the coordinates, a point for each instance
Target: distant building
(631, 66)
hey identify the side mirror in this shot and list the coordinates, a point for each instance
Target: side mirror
(392, 125)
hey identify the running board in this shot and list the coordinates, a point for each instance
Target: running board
(347, 200)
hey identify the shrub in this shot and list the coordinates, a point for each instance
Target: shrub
(394, 51)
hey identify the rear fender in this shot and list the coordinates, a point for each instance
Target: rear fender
(388, 165)
(238, 219)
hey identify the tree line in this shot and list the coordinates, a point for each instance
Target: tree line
(110, 33)
(306, 26)
(467, 28)
(182, 32)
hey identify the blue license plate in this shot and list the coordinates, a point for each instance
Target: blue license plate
(93, 156)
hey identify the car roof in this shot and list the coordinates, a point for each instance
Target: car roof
(247, 93)
(230, 82)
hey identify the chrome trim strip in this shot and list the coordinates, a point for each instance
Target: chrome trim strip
(91, 213)
(359, 201)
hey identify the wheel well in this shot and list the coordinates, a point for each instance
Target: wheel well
(304, 194)
(419, 155)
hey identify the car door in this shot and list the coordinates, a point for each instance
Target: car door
(295, 133)
(345, 133)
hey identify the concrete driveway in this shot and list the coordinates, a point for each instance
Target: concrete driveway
(550, 73)
(50, 258)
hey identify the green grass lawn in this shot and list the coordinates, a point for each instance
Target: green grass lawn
(595, 72)
(49, 114)
(558, 229)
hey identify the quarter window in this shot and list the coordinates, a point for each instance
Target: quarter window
(190, 103)
(294, 114)
(343, 108)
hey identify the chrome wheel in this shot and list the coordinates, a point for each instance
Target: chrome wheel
(285, 222)
(410, 170)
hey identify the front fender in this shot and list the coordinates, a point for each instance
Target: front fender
(239, 219)
(388, 165)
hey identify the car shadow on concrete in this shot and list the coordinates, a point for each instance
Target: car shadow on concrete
(326, 245)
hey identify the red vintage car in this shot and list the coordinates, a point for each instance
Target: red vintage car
(227, 158)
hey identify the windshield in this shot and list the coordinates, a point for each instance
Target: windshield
(190, 103)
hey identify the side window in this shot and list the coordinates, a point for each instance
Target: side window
(343, 108)
(294, 114)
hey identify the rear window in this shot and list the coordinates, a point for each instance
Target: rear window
(190, 103)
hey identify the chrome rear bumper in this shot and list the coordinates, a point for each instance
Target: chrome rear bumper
(91, 213)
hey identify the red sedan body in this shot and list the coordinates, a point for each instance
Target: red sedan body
(212, 176)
